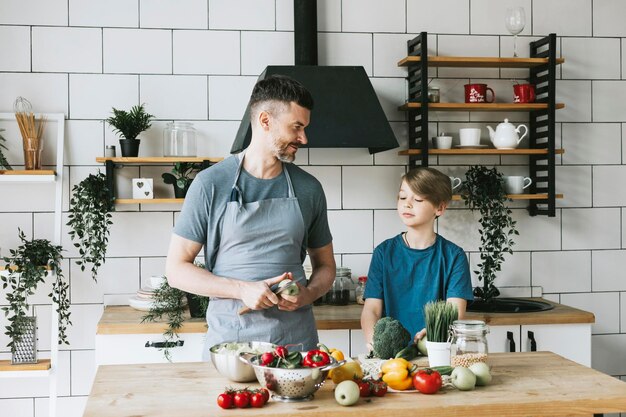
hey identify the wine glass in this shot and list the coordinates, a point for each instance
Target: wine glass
(515, 21)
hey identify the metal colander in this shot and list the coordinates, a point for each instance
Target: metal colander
(290, 385)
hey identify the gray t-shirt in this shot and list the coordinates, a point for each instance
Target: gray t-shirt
(203, 211)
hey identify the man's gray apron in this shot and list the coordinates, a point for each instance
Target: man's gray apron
(260, 240)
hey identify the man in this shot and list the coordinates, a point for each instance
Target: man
(257, 215)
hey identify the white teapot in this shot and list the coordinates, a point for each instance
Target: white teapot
(506, 135)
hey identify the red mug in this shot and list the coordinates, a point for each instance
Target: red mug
(524, 93)
(477, 93)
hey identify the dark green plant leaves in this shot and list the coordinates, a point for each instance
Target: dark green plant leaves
(129, 124)
(4, 164)
(181, 174)
(28, 266)
(484, 191)
(90, 221)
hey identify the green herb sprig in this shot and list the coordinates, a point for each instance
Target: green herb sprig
(438, 316)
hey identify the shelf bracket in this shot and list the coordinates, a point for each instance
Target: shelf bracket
(109, 167)
(418, 92)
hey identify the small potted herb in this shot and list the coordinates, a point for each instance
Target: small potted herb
(90, 220)
(439, 316)
(181, 177)
(484, 191)
(129, 124)
(4, 164)
(28, 266)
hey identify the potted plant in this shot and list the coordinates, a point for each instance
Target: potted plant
(90, 220)
(4, 164)
(181, 177)
(484, 191)
(27, 267)
(438, 317)
(129, 124)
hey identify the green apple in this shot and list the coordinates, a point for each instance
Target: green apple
(421, 346)
(463, 379)
(292, 287)
(347, 392)
(482, 372)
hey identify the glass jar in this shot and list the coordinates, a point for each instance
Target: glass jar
(359, 292)
(179, 139)
(469, 342)
(339, 294)
(433, 95)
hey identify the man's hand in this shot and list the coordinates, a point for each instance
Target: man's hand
(257, 294)
(294, 302)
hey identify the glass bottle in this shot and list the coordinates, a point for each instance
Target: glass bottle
(360, 290)
(339, 294)
(469, 342)
(179, 139)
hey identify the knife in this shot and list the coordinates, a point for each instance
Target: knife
(277, 291)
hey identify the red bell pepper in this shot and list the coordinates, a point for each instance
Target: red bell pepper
(315, 359)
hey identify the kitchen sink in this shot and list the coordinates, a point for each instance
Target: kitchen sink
(509, 305)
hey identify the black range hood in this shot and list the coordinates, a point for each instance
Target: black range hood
(347, 112)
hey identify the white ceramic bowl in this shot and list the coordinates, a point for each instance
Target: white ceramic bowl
(229, 365)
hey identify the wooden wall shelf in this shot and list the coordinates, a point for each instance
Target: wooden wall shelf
(457, 197)
(42, 365)
(521, 107)
(477, 62)
(31, 175)
(149, 201)
(157, 159)
(488, 151)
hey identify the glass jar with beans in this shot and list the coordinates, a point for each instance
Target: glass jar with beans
(469, 342)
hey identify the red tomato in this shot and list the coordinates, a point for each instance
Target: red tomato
(267, 358)
(365, 388)
(241, 399)
(427, 381)
(257, 399)
(379, 388)
(265, 393)
(225, 400)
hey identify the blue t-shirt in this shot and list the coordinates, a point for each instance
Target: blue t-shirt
(406, 279)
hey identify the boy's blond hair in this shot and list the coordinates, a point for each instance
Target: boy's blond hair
(430, 184)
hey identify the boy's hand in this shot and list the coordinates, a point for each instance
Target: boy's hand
(419, 335)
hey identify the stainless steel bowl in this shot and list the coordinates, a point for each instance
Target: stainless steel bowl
(229, 365)
(290, 385)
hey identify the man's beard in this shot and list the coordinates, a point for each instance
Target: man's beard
(281, 152)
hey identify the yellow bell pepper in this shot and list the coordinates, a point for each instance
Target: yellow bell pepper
(337, 354)
(349, 371)
(397, 373)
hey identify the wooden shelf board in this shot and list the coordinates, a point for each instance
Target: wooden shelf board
(21, 175)
(149, 201)
(41, 365)
(157, 159)
(457, 197)
(27, 172)
(488, 151)
(481, 106)
(477, 62)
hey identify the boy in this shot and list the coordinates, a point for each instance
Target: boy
(416, 266)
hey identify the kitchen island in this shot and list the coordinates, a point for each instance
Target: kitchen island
(524, 384)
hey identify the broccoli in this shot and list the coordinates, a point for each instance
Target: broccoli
(390, 337)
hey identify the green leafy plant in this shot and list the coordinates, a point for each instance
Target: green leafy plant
(3, 160)
(129, 124)
(27, 267)
(90, 220)
(484, 191)
(438, 316)
(181, 174)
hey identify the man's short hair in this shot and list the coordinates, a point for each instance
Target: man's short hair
(430, 184)
(279, 89)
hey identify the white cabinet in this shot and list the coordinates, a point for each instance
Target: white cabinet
(350, 342)
(572, 341)
(114, 349)
(357, 343)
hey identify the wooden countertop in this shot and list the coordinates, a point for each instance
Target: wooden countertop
(126, 320)
(533, 383)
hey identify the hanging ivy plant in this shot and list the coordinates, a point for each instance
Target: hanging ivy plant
(90, 220)
(28, 266)
(484, 191)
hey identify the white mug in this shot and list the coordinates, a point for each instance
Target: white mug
(469, 136)
(516, 184)
(455, 182)
(442, 142)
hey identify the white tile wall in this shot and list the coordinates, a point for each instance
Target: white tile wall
(15, 42)
(137, 51)
(562, 272)
(55, 49)
(242, 14)
(113, 13)
(223, 44)
(260, 49)
(198, 62)
(190, 14)
(373, 16)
